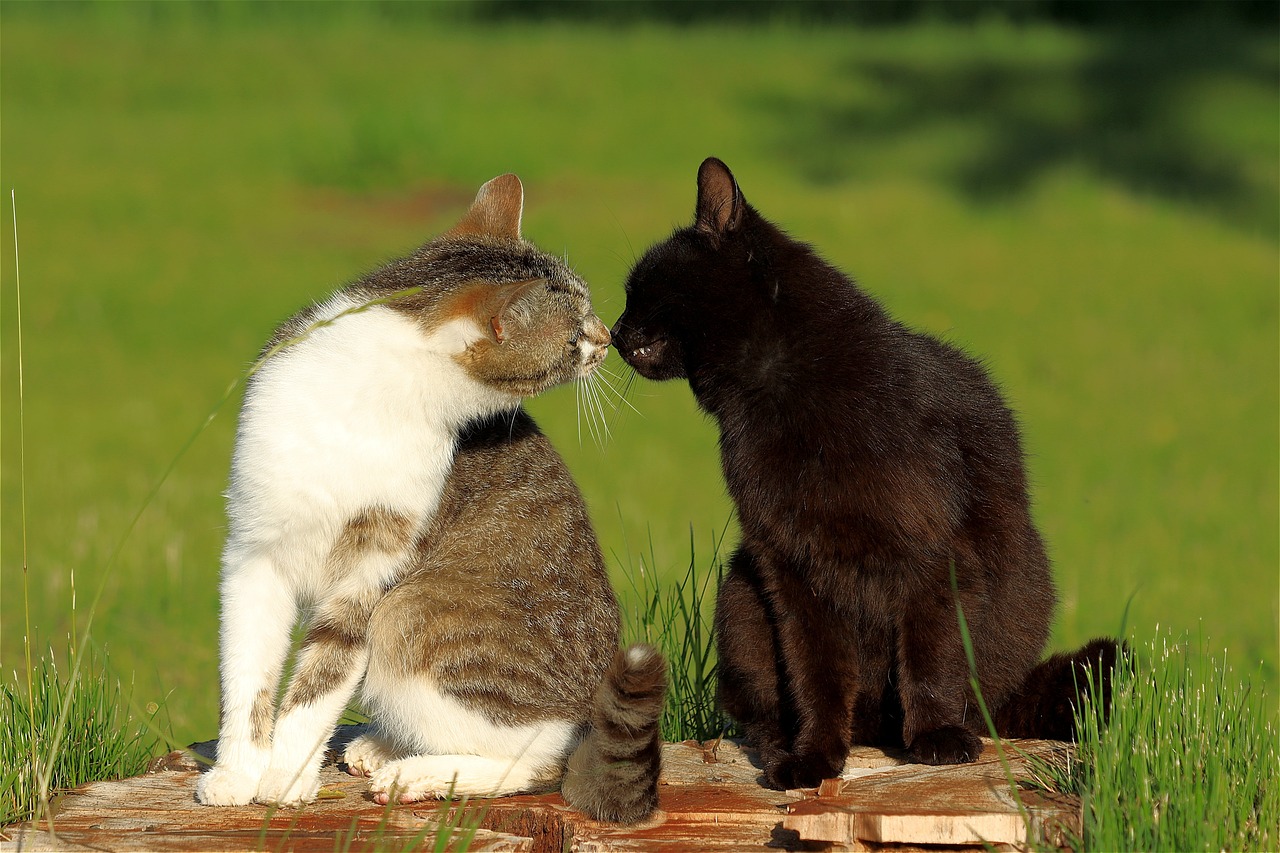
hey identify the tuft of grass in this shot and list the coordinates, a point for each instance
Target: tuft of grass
(1188, 761)
(1185, 758)
(676, 617)
(98, 737)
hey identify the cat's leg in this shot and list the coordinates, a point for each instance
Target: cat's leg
(815, 676)
(818, 660)
(873, 693)
(258, 612)
(368, 753)
(748, 660)
(369, 554)
(442, 687)
(510, 761)
(330, 665)
(933, 680)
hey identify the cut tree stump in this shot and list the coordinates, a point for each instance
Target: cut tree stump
(711, 800)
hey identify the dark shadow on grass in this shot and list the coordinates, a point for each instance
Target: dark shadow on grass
(1119, 108)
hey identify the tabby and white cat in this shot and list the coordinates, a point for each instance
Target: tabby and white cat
(386, 481)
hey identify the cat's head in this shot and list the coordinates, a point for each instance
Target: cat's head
(517, 319)
(692, 279)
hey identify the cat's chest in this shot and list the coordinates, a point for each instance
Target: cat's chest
(363, 412)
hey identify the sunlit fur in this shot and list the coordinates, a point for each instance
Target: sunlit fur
(386, 483)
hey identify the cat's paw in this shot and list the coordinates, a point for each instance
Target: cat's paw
(406, 783)
(436, 777)
(226, 786)
(366, 755)
(789, 772)
(287, 788)
(945, 745)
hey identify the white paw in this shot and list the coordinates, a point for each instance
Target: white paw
(410, 780)
(287, 787)
(366, 755)
(226, 786)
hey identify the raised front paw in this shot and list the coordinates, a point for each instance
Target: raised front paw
(287, 787)
(366, 755)
(226, 786)
(788, 771)
(945, 745)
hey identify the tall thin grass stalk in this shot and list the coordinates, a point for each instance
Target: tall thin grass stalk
(22, 493)
(676, 618)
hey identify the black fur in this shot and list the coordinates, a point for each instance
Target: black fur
(867, 462)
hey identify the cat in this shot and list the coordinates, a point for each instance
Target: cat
(386, 479)
(867, 463)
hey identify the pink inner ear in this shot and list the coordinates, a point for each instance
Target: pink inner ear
(718, 197)
(498, 331)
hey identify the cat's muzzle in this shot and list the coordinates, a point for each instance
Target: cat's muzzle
(653, 359)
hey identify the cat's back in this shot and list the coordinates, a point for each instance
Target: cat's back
(343, 360)
(524, 618)
(839, 417)
(511, 490)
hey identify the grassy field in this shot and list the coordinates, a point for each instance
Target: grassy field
(1093, 213)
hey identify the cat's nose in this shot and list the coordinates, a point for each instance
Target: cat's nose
(622, 336)
(598, 333)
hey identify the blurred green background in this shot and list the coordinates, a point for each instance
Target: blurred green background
(1083, 194)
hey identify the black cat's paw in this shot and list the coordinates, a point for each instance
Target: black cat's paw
(799, 771)
(945, 745)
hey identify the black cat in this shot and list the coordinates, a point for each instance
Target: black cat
(868, 462)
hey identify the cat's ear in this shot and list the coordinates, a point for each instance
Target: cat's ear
(503, 305)
(720, 202)
(495, 212)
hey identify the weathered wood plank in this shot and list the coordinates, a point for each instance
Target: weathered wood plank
(711, 800)
(960, 805)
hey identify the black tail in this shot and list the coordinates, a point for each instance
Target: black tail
(1044, 706)
(613, 774)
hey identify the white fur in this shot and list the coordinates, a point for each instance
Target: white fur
(444, 747)
(367, 754)
(359, 414)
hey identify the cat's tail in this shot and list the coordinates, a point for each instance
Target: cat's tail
(1045, 705)
(613, 774)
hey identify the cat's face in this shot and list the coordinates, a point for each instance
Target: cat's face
(533, 335)
(681, 284)
(523, 321)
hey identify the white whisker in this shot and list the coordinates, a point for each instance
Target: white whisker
(606, 371)
(597, 407)
(591, 411)
(605, 384)
(577, 407)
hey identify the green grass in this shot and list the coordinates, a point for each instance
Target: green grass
(186, 181)
(1188, 761)
(79, 725)
(674, 614)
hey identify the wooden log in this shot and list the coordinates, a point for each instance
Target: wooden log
(711, 800)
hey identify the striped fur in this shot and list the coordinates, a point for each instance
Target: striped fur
(613, 774)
